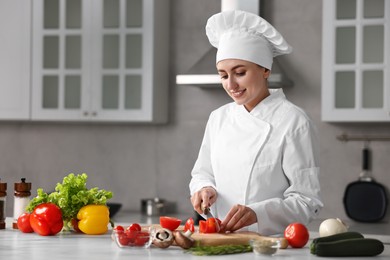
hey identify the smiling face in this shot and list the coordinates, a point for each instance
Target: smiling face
(244, 81)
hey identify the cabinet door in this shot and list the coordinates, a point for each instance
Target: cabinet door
(100, 60)
(60, 74)
(119, 86)
(15, 19)
(356, 61)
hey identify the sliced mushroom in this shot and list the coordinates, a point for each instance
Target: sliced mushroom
(162, 238)
(183, 240)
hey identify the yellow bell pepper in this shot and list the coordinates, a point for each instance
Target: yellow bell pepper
(93, 219)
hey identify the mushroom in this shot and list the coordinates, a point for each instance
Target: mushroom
(162, 238)
(183, 240)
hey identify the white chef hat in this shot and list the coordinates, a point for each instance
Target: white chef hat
(246, 36)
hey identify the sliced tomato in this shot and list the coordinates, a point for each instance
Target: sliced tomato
(170, 223)
(189, 225)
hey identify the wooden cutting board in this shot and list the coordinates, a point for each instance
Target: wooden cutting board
(236, 238)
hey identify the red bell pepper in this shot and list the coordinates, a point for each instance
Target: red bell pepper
(211, 225)
(190, 225)
(46, 219)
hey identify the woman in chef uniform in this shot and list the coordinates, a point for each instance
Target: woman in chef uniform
(257, 167)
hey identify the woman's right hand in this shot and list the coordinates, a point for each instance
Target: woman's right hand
(203, 198)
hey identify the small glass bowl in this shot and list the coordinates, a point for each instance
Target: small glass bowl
(134, 239)
(265, 247)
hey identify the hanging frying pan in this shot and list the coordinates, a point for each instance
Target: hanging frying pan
(365, 200)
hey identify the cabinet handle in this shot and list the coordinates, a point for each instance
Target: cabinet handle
(85, 113)
(94, 113)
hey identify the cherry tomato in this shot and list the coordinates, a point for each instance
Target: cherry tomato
(189, 225)
(46, 219)
(134, 227)
(211, 225)
(75, 225)
(119, 228)
(123, 239)
(170, 222)
(297, 235)
(24, 223)
(142, 238)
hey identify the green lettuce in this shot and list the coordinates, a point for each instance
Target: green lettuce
(70, 196)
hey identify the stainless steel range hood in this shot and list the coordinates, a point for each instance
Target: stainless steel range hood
(203, 73)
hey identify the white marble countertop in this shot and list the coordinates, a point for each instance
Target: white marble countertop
(67, 245)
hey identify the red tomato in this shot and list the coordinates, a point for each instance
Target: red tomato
(211, 225)
(46, 219)
(134, 227)
(119, 228)
(24, 223)
(123, 239)
(142, 238)
(297, 235)
(170, 222)
(75, 224)
(189, 225)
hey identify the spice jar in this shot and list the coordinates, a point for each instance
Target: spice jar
(21, 199)
(3, 194)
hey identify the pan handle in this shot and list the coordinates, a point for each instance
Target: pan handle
(365, 175)
(366, 155)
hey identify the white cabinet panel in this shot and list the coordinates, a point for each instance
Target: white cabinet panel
(84, 60)
(356, 61)
(15, 17)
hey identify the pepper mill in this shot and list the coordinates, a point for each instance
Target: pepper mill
(21, 199)
(3, 194)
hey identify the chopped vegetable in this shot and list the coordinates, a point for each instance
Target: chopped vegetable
(70, 196)
(170, 223)
(189, 225)
(93, 219)
(211, 225)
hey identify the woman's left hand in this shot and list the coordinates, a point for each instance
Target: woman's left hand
(239, 216)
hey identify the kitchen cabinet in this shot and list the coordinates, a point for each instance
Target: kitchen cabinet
(356, 61)
(99, 60)
(15, 17)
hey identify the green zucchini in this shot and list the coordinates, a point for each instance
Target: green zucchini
(350, 247)
(336, 237)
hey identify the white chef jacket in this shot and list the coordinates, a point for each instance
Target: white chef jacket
(266, 159)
